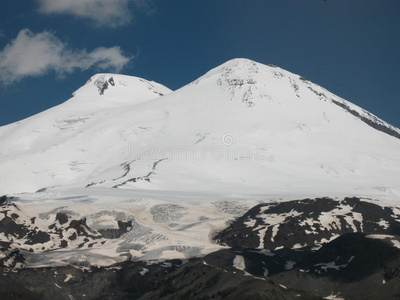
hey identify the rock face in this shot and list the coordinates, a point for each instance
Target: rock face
(102, 84)
(353, 266)
(353, 257)
(199, 280)
(308, 223)
(55, 230)
(124, 281)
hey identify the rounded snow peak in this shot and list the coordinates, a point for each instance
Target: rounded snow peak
(104, 81)
(239, 61)
(117, 88)
(243, 65)
(238, 65)
(241, 70)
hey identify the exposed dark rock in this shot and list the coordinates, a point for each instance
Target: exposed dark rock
(299, 223)
(13, 259)
(61, 218)
(8, 226)
(123, 227)
(3, 199)
(38, 237)
(353, 266)
(368, 118)
(372, 121)
(303, 79)
(146, 177)
(103, 85)
(259, 263)
(351, 257)
(82, 229)
(4, 245)
(73, 236)
(128, 280)
(197, 280)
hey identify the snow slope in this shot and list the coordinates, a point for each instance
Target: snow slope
(70, 142)
(243, 128)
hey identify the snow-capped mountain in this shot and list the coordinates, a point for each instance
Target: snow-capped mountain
(145, 190)
(243, 128)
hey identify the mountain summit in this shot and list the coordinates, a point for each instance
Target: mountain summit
(120, 89)
(243, 128)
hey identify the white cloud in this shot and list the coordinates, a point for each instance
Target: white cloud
(36, 54)
(103, 12)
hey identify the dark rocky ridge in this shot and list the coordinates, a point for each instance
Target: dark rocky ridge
(198, 280)
(361, 262)
(123, 281)
(370, 120)
(352, 266)
(307, 223)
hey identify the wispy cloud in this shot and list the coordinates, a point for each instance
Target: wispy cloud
(112, 13)
(33, 54)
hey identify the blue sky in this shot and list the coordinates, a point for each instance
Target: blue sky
(49, 48)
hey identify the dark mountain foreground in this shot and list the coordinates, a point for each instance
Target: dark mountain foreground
(304, 249)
